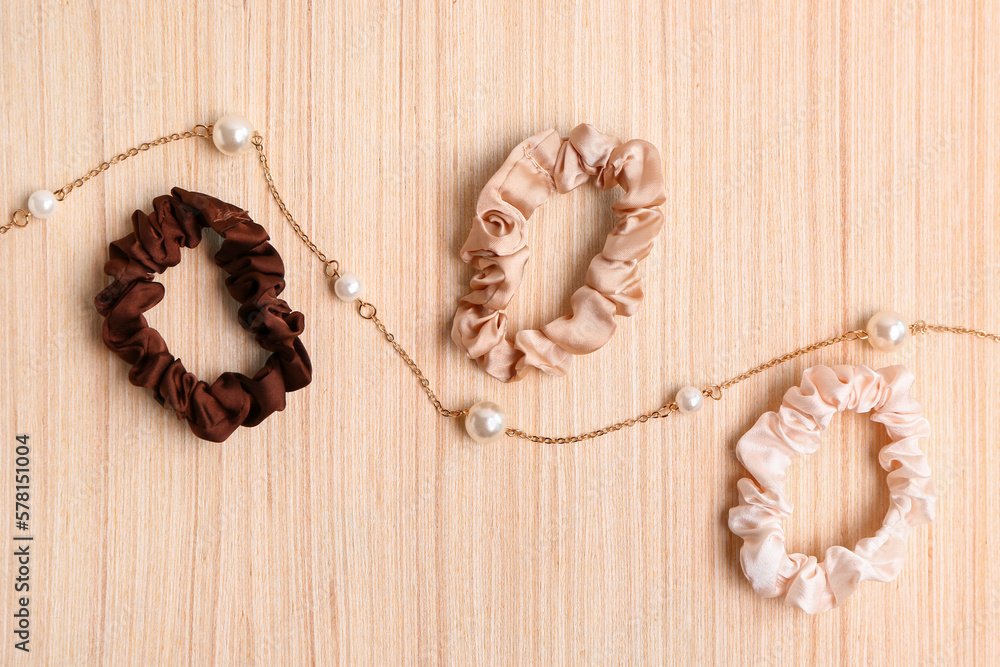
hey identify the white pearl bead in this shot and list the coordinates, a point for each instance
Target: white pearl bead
(231, 134)
(42, 204)
(689, 400)
(485, 422)
(348, 287)
(887, 331)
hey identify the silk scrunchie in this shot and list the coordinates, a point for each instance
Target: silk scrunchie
(498, 249)
(778, 438)
(256, 278)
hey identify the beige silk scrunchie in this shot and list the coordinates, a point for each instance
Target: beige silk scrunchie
(497, 248)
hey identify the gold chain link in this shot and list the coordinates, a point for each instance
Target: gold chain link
(330, 266)
(659, 413)
(18, 219)
(713, 391)
(21, 217)
(920, 327)
(794, 354)
(367, 311)
(199, 131)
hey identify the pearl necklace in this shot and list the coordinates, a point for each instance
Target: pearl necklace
(485, 421)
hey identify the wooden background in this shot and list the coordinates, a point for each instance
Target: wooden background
(822, 160)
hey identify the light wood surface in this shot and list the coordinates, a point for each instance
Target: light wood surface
(823, 161)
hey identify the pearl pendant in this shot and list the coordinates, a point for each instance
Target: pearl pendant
(348, 287)
(42, 204)
(485, 422)
(231, 134)
(689, 400)
(887, 331)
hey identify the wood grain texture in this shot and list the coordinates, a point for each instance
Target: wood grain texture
(823, 161)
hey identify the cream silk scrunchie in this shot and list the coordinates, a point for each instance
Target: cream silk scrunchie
(498, 249)
(778, 438)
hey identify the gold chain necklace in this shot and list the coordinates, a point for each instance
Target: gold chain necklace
(43, 203)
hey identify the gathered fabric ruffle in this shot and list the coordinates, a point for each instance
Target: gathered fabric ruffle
(256, 278)
(497, 248)
(778, 438)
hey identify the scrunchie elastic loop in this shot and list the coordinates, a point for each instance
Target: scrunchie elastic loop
(778, 438)
(497, 248)
(256, 278)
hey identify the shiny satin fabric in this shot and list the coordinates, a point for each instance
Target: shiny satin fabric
(256, 278)
(497, 248)
(778, 438)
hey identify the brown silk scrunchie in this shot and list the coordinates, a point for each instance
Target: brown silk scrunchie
(256, 278)
(497, 248)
